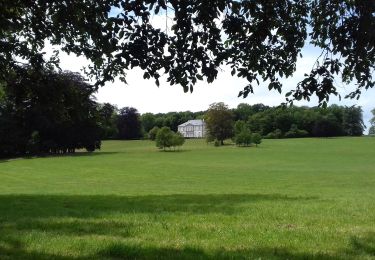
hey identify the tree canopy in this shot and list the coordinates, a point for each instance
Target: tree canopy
(166, 138)
(372, 122)
(47, 112)
(259, 40)
(129, 123)
(219, 122)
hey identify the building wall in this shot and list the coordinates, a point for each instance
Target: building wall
(192, 131)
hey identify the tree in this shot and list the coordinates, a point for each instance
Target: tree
(327, 126)
(47, 112)
(352, 121)
(294, 132)
(242, 134)
(203, 36)
(178, 139)
(239, 126)
(219, 122)
(372, 122)
(243, 111)
(153, 133)
(108, 119)
(129, 123)
(164, 138)
(148, 121)
(244, 137)
(257, 139)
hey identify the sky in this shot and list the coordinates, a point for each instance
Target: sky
(145, 96)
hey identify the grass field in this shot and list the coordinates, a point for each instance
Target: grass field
(287, 199)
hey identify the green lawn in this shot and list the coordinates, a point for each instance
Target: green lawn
(287, 199)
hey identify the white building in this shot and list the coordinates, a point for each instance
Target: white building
(193, 129)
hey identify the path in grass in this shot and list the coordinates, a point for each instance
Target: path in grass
(296, 198)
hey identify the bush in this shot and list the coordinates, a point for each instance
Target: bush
(166, 138)
(257, 138)
(294, 132)
(217, 142)
(243, 138)
(153, 132)
(178, 139)
(277, 134)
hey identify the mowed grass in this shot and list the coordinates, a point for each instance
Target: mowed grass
(287, 199)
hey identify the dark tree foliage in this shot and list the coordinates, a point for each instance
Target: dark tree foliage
(153, 132)
(129, 124)
(294, 132)
(243, 110)
(148, 121)
(259, 40)
(257, 139)
(108, 121)
(372, 122)
(278, 122)
(242, 134)
(353, 121)
(327, 126)
(219, 122)
(47, 112)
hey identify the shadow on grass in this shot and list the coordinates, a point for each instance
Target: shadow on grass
(123, 251)
(77, 154)
(11, 249)
(173, 151)
(16, 250)
(30, 206)
(90, 216)
(364, 244)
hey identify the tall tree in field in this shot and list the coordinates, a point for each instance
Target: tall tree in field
(353, 121)
(129, 123)
(148, 121)
(164, 138)
(108, 120)
(259, 40)
(219, 122)
(372, 121)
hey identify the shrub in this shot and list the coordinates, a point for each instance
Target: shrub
(243, 138)
(294, 132)
(277, 134)
(177, 139)
(257, 138)
(166, 138)
(153, 132)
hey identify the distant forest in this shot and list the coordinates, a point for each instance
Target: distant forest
(270, 122)
(44, 112)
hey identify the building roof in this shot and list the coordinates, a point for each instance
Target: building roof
(193, 122)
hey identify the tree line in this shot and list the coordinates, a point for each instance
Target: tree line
(47, 111)
(286, 122)
(269, 122)
(249, 123)
(44, 111)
